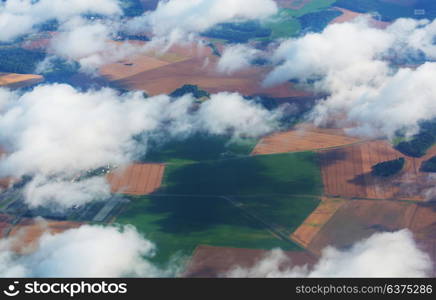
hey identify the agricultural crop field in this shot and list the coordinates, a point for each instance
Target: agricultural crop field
(5, 224)
(281, 174)
(316, 220)
(136, 179)
(28, 231)
(12, 80)
(365, 217)
(303, 138)
(252, 202)
(209, 261)
(201, 71)
(198, 148)
(346, 172)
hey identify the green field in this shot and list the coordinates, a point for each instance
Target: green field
(286, 24)
(288, 174)
(199, 148)
(265, 196)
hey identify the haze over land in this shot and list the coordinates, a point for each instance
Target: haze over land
(152, 128)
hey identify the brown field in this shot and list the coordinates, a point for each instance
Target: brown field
(150, 59)
(429, 246)
(137, 179)
(197, 71)
(27, 232)
(316, 220)
(162, 73)
(5, 224)
(347, 173)
(130, 67)
(40, 42)
(304, 138)
(209, 261)
(13, 80)
(5, 182)
(347, 16)
(293, 4)
(359, 219)
(424, 222)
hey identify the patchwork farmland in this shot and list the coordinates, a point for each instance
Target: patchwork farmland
(12, 80)
(209, 261)
(5, 224)
(162, 73)
(347, 172)
(304, 138)
(136, 179)
(366, 217)
(27, 232)
(316, 220)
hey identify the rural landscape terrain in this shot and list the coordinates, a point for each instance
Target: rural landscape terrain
(181, 138)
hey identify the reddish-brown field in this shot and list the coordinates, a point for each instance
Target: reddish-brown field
(130, 67)
(201, 71)
(316, 220)
(5, 182)
(347, 16)
(209, 261)
(424, 222)
(305, 138)
(162, 73)
(137, 179)
(13, 80)
(359, 219)
(347, 172)
(429, 246)
(28, 231)
(151, 59)
(5, 224)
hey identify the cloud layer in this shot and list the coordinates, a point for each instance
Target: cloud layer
(235, 58)
(55, 133)
(19, 17)
(353, 64)
(87, 251)
(381, 255)
(175, 20)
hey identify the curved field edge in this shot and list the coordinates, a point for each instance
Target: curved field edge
(253, 202)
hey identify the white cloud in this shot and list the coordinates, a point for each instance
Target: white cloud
(235, 58)
(46, 192)
(18, 17)
(175, 20)
(351, 63)
(91, 43)
(87, 251)
(56, 132)
(57, 129)
(381, 255)
(227, 112)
